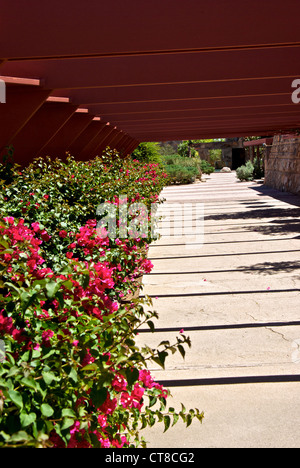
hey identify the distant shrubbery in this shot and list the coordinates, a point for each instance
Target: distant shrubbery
(181, 170)
(251, 170)
(206, 168)
(147, 153)
(182, 167)
(245, 172)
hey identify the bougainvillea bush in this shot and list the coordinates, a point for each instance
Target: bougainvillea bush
(73, 376)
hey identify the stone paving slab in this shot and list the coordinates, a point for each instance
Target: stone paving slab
(237, 297)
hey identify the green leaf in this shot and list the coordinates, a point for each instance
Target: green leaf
(67, 422)
(175, 418)
(164, 343)
(167, 422)
(29, 382)
(182, 351)
(151, 326)
(98, 396)
(73, 375)
(48, 377)
(16, 398)
(90, 367)
(27, 300)
(189, 420)
(85, 281)
(27, 419)
(132, 376)
(52, 289)
(60, 297)
(68, 284)
(19, 437)
(162, 357)
(68, 413)
(46, 410)
(152, 401)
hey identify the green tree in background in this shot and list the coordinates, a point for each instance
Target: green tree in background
(147, 152)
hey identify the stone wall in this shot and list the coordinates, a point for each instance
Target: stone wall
(282, 165)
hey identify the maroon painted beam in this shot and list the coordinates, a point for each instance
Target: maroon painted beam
(60, 143)
(195, 67)
(22, 102)
(260, 142)
(223, 126)
(200, 122)
(45, 123)
(176, 92)
(111, 135)
(86, 152)
(84, 139)
(120, 147)
(234, 122)
(212, 114)
(133, 27)
(190, 108)
(114, 141)
(131, 147)
(105, 137)
(213, 133)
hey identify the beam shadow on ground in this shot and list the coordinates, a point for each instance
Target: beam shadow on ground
(227, 293)
(231, 381)
(226, 255)
(234, 326)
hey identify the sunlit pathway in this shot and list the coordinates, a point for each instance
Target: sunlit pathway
(235, 292)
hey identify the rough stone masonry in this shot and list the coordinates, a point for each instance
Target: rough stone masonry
(283, 164)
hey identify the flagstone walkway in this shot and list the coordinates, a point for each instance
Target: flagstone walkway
(235, 292)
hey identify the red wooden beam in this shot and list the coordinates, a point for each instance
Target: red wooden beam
(105, 136)
(108, 28)
(86, 152)
(41, 128)
(111, 134)
(180, 68)
(121, 145)
(22, 102)
(60, 143)
(84, 139)
(260, 142)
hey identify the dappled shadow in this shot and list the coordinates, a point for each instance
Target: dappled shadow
(270, 268)
(277, 227)
(278, 213)
(281, 220)
(286, 197)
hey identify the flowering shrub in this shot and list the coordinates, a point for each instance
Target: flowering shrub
(73, 375)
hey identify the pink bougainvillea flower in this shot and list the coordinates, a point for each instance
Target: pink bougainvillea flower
(108, 406)
(9, 220)
(63, 234)
(6, 324)
(45, 236)
(123, 441)
(35, 227)
(119, 383)
(102, 420)
(46, 336)
(146, 378)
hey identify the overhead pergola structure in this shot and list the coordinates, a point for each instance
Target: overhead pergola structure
(83, 75)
